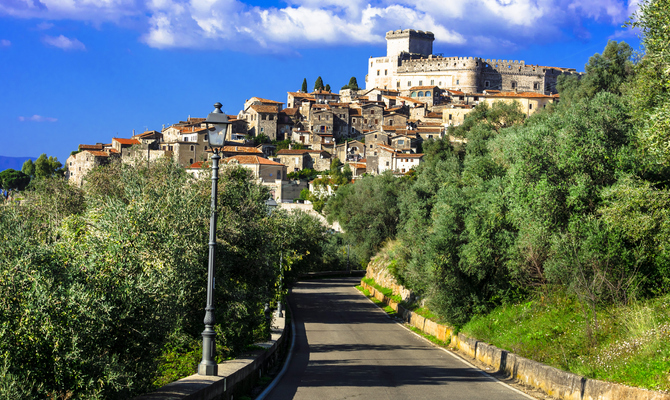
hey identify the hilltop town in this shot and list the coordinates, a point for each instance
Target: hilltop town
(411, 95)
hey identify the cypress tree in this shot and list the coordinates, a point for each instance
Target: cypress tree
(318, 84)
(304, 85)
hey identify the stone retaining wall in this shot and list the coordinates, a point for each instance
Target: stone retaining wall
(552, 381)
(235, 377)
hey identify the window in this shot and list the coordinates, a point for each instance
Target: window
(390, 122)
(372, 112)
(530, 106)
(409, 83)
(401, 141)
(387, 163)
(458, 81)
(536, 86)
(386, 72)
(365, 121)
(420, 94)
(272, 117)
(279, 174)
(190, 161)
(262, 129)
(449, 117)
(487, 83)
(375, 138)
(377, 72)
(192, 150)
(476, 98)
(413, 94)
(513, 85)
(205, 139)
(427, 94)
(263, 117)
(376, 121)
(397, 84)
(432, 82)
(353, 120)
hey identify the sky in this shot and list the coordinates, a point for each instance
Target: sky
(84, 71)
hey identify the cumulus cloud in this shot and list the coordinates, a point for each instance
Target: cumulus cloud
(5, 43)
(37, 118)
(64, 43)
(236, 25)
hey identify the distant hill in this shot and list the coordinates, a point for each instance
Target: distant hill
(13, 162)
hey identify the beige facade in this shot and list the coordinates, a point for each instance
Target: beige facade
(79, 164)
(455, 115)
(530, 102)
(409, 62)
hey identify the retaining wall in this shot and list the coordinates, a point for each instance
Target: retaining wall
(235, 377)
(552, 381)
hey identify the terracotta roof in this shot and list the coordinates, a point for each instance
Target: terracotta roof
(358, 165)
(291, 111)
(285, 152)
(389, 128)
(433, 115)
(343, 105)
(241, 149)
(126, 141)
(115, 151)
(411, 155)
(321, 106)
(325, 92)
(387, 148)
(423, 87)
(410, 100)
(264, 109)
(299, 94)
(267, 101)
(456, 92)
(98, 153)
(355, 112)
(91, 147)
(199, 164)
(252, 160)
(522, 95)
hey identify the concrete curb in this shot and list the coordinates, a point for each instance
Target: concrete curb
(235, 378)
(552, 381)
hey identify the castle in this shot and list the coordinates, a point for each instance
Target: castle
(410, 62)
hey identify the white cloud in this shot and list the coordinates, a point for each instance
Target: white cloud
(64, 43)
(44, 26)
(233, 24)
(37, 118)
(5, 43)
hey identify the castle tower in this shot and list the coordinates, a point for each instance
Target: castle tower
(409, 41)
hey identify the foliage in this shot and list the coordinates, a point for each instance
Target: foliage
(103, 287)
(650, 91)
(306, 173)
(327, 88)
(318, 85)
(284, 144)
(11, 180)
(353, 84)
(303, 88)
(47, 167)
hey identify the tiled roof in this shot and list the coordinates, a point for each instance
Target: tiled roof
(389, 128)
(325, 93)
(358, 165)
(91, 147)
(299, 94)
(522, 95)
(267, 101)
(355, 112)
(241, 149)
(410, 100)
(252, 160)
(433, 115)
(410, 155)
(456, 92)
(286, 152)
(423, 87)
(198, 165)
(343, 105)
(98, 153)
(264, 109)
(126, 141)
(291, 111)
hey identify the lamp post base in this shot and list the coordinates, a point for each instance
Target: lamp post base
(208, 370)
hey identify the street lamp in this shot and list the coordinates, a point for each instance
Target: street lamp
(272, 205)
(216, 139)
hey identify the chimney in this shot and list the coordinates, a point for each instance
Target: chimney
(133, 132)
(290, 146)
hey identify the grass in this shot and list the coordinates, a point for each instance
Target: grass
(629, 344)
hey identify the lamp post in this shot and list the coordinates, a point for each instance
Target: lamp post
(216, 140)
(271, 205)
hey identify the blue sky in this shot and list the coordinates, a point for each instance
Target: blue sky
(84, 71)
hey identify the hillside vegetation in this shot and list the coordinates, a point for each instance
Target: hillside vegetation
(569, 205)
(102, 289)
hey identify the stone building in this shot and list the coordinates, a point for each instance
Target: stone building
(79, 164)
(409, 62)
(262, 119)
(350, 151)
(297, 160)
(455, 114)
(530, 102)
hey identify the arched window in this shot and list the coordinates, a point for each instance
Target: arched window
(413, 94)
(427, 94)
(420, 94)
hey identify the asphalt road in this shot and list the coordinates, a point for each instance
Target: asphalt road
(347, 348)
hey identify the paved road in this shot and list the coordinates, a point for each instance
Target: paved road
(347, 348)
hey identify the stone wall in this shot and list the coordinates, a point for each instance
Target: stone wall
(377, 270)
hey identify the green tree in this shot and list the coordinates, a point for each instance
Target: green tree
(11, 179)
(318, 85)
(48, 166)
(650, 92)
(28, 168)
(327, 88)
(304, 86)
